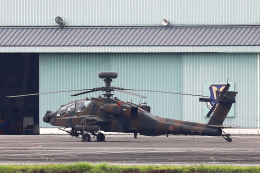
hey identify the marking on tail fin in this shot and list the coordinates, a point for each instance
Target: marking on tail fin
(210, 89)
(214, 88)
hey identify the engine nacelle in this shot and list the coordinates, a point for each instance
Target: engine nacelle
(114, 109)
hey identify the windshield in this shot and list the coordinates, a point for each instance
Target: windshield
(66, 108)
(82, 104)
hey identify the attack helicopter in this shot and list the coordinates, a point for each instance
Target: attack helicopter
(88, 117)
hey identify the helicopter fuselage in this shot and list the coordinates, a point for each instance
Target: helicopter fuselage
(113, 115)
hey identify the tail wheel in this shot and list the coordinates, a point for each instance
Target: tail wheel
(86, 138)
(229, 139)
(100, 137)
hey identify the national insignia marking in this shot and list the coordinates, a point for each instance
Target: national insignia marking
(171, 128)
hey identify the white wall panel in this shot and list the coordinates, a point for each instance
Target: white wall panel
(238, 68)
(130, 12)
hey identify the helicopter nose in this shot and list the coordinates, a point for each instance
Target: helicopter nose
(47, 117)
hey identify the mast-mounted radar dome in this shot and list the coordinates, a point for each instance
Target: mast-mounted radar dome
(107, 75)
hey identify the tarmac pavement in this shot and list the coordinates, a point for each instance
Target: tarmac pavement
(125, 150)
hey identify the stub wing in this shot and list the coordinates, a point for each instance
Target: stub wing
(223, 126)
(94, 119)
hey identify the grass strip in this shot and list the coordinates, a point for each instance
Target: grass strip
(105, 168)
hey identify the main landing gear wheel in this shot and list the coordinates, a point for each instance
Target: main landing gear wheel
(86, 138)
(227, 137)
(100, 137)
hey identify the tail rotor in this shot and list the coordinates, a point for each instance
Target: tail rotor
(221, 98)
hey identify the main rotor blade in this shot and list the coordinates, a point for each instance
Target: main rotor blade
(168, 92)
(83, 93)
(24, 95)
(127, 92)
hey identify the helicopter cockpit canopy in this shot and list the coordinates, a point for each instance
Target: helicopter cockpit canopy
(82, 104)
(79, 105)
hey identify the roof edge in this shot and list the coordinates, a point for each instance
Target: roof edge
(155, 26)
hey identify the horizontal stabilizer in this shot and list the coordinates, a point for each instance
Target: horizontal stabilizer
(206, 100)
(223, 126)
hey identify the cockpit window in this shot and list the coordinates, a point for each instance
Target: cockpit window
(66, 108)
(82, 104)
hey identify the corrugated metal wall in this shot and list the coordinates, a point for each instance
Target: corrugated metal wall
(238, 68)
(166, 72)
(130, 12)
(137, 71)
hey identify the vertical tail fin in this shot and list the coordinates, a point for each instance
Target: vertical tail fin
(223, 106)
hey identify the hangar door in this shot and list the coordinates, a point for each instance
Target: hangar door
(19, 74)
(61, 72)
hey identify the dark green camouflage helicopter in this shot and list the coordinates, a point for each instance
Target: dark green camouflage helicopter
(88, 117)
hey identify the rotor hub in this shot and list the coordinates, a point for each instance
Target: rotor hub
(108, 76)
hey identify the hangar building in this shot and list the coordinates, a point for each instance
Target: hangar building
(205, 42)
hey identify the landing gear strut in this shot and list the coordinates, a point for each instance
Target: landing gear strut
(135, 135)
(226, 137)
(72, 132)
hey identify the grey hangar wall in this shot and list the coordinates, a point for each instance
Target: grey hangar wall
(174, 72)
